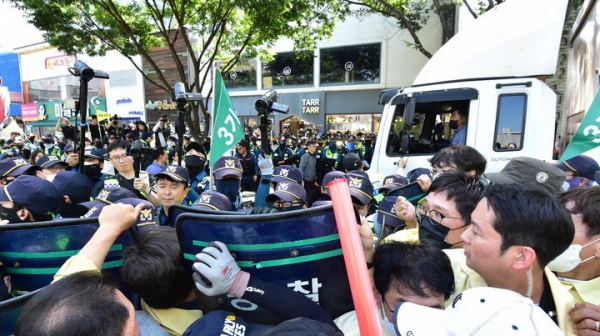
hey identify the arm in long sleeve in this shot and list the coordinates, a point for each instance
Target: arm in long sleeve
(269, 296)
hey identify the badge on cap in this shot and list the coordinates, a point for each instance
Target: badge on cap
(145, 215)
(20, 162)
(541, 177)
(90, 212)
(103, 194)
(355, 182)
(388, 180)
(171, 169)
(205, 199)
(283, 186)
(284, 172)
(229, 163)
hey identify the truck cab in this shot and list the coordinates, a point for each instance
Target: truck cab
(494, 77)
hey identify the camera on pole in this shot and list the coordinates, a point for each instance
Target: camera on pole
(182, 98)
(264, 106)
(85, 74)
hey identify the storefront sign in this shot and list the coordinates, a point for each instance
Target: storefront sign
(60, 61)
(311, 106)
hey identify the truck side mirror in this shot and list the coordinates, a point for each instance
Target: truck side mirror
(404, 141)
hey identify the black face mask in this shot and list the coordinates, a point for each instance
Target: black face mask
(229, 188)
(194, 165)
(71, 210)
(332, 145)
(93, 172)
(10, 214)
(433, 234)
(367, 143)
(281, 144)
(453, 124)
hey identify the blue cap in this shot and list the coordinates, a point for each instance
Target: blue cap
(227, 166)
(48, 161)
(361, 188)
(285, 173)
(73, 184)
(145, 220)
(213, 200)
(386, 214)
(14, 167)
(175, 173)
(581, 165)
(332, 175)
(33, 193)
(95, 153)
(109, 196)
(393, 182)
(288, 191)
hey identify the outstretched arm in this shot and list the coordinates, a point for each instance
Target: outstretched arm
(114, 219)
(216, 273)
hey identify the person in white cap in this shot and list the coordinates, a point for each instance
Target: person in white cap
(482, 311)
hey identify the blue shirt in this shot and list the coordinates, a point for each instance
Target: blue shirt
(460, 136)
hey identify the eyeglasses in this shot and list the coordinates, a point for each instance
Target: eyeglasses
(387, 306)
(433, 214)
(119, 158)
(286, 205)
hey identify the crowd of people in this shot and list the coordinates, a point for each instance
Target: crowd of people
(529, 233)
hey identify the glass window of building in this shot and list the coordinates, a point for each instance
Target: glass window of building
(351, 65)
(354, 123)
(242, 77)
(287, 70)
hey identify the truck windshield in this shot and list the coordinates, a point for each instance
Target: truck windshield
(430, 130)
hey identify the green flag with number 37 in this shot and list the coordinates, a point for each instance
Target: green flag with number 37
(227, 130)
(587, 135)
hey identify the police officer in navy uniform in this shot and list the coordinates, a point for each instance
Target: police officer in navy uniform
(249, 166)
(282, 153)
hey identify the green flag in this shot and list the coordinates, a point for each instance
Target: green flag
(587, 135)
(227, 130)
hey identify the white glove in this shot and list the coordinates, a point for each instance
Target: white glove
(265, 164)
(215, 270)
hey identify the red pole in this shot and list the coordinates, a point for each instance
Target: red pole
(354, 258)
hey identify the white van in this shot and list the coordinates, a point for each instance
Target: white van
(493, 70)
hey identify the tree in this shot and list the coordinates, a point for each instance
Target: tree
(412, 15)
(226, 31)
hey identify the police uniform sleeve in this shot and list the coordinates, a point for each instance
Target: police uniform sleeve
(285, 303)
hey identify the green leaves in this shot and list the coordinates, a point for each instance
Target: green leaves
(211, 30)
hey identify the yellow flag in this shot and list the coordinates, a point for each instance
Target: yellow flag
(102, 115)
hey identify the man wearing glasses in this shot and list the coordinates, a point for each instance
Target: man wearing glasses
(444, 214)
(118, 154)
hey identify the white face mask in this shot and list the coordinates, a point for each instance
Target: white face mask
(50, 178)
(570, 258)
(49, 146)
(388, 327)
(170, 143)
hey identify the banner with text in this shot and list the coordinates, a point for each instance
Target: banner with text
(227, 130)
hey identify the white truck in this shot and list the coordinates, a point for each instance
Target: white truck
(493, 70)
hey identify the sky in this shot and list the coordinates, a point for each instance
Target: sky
(14, 30)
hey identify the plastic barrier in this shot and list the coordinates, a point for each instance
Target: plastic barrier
(33, 252)
(296, 249)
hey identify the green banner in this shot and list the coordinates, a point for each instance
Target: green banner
(587, 135)
(227, 130)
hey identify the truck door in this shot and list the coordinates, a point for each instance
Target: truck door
(417, 125)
